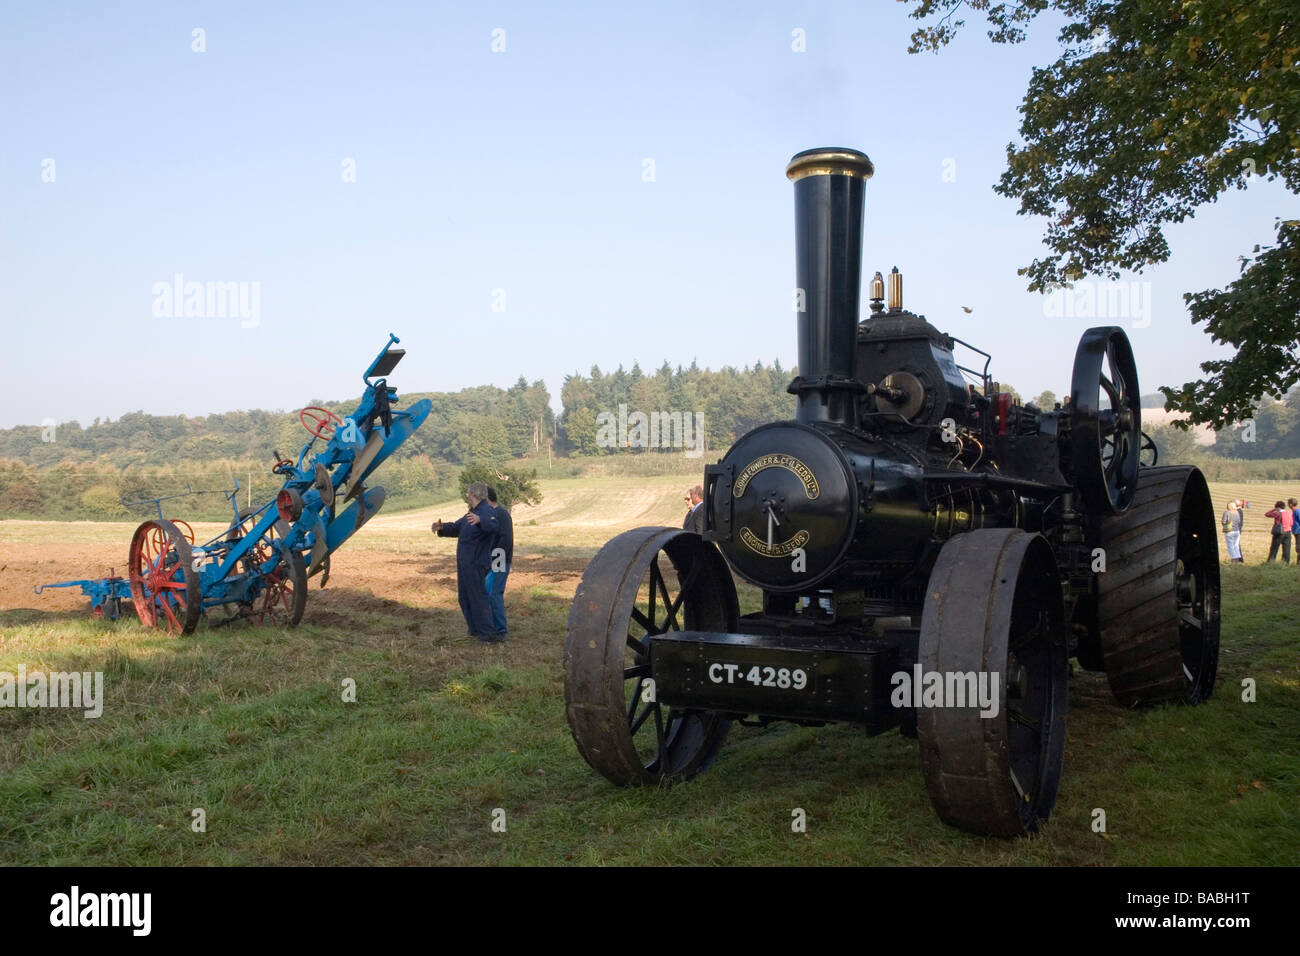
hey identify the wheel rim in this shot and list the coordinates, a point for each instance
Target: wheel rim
(1196, 589)
(644, 583)
(164, 584)
(994, 603)
(283, 590)
(1106, 427)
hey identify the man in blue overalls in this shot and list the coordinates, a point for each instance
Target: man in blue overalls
(476, 535)
(503, 555)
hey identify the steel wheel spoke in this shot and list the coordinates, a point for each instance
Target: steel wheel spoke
(1112, 392)
(681, 594)
(636, 725)
(635, 699)
(643, 620)
(670, 619)
(1018, 716)
(659, 736)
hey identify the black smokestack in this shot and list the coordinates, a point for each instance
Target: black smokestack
(829, 185)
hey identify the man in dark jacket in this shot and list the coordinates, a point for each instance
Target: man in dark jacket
(476, 534)
(503, 556)
(694, 520)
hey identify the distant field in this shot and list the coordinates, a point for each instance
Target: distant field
(248, 724)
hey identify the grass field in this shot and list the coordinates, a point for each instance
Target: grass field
(249, 725)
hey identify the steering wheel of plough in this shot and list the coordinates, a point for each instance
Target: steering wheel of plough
(320, 426)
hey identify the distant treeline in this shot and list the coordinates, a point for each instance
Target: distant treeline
(726, 404)
(70, 471)
(95, 491)
(476, 424)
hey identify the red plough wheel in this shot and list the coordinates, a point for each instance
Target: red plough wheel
(164, 584)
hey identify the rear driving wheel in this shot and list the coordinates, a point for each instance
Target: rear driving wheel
(1158, 599)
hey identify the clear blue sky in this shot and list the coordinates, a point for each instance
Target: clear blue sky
(519, 171)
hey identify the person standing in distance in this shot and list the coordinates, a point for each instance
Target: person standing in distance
(1282, 518)
(476, 534)
(503, 556)
(1232, 531)
(1295, 526)
(694, 520)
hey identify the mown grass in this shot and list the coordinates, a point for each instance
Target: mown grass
(249, 725)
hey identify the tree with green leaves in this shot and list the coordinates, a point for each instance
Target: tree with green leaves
(1175, 446)
(1153, 109)
(513, 486)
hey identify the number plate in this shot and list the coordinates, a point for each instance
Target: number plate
(732, 673)
(771, 676)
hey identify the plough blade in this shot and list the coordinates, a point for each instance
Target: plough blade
(403, 428)
(361, 465)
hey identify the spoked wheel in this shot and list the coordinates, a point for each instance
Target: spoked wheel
(283, 594)
(640, 584)
(1148, 453)
(993, 606)
(1106, 423)
(164, 584)
(1158, 600)
(184, 528)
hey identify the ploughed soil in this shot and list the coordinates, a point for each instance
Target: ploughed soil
(357, 576)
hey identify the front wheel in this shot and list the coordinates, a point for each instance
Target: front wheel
(994, 611)
(641, 584)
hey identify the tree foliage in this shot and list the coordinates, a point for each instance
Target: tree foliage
(481, 423)
(1259, 313)
(729, 401)
(1154, 108)
(513, 487)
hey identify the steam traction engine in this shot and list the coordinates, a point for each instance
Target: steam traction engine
(908, 527)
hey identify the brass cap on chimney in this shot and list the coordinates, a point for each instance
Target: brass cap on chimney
(829, 161)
